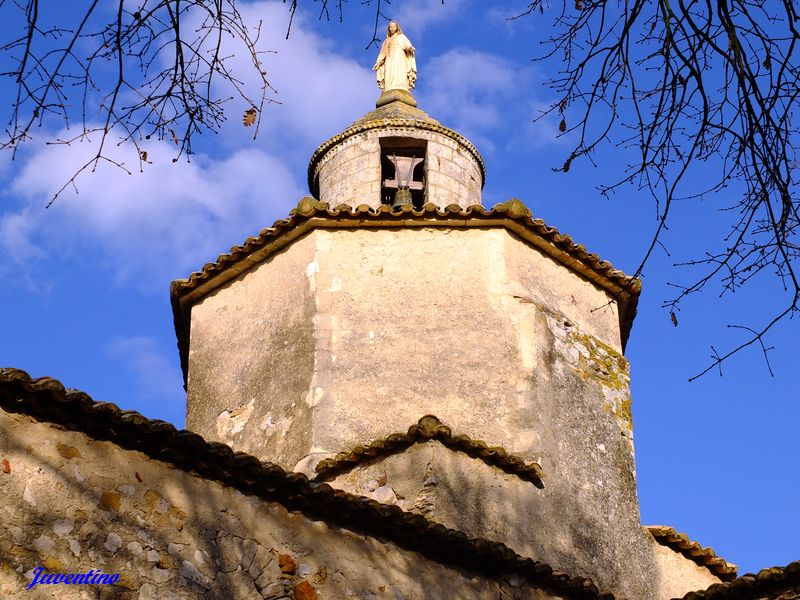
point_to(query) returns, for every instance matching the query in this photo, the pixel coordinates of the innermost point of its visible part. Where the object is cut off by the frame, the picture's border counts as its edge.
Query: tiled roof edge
(46, 399)
(427, 428)
(311, 213)
(703, 556)
(753, 586)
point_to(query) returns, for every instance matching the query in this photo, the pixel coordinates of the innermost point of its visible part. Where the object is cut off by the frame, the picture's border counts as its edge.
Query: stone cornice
(430, 428)
(311, 214)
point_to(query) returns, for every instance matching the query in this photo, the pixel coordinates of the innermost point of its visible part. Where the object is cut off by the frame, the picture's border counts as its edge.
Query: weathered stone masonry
(74, 502)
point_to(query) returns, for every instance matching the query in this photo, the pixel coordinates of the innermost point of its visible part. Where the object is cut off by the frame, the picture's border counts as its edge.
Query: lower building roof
(702, 555)
(47, 400)
(774, 583)
(428, 428)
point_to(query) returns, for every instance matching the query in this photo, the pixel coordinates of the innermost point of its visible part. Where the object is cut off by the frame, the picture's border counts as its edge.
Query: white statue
(396, 66)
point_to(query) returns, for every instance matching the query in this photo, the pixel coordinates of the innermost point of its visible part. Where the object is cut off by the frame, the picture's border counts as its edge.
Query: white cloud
(159, 381)
(151, 227)
(544, 131)
(416, 16)
(488, 98)
(512, 20)
(167, 221)
(320, 90)
(148, 227)
(16, 230)
(470, 91)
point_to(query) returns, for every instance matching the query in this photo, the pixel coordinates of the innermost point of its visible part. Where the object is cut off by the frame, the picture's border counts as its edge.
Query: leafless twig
(709, 83)
(167, 58)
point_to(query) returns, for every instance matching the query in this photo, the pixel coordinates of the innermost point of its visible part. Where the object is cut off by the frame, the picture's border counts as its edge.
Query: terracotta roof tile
(311, 214)
(774, 583)
(428, 428)
(46, 399)
(703, 556)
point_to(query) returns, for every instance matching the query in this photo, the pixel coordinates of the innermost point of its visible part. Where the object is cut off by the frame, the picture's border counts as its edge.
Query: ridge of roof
(703, 556)
(46, 399)
(753, 586)
(311, 214)
(428, 428)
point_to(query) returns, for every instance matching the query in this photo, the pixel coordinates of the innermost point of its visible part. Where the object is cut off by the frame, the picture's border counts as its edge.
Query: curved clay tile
(428, 428)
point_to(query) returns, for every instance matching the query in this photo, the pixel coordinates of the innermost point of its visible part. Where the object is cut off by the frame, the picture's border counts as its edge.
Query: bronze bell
(402, 197)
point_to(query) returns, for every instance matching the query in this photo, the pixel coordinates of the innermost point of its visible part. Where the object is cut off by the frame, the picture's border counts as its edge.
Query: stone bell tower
(396, 339)
(397, 147)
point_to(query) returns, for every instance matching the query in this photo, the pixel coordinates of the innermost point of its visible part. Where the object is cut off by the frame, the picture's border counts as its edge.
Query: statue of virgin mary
(396, 66)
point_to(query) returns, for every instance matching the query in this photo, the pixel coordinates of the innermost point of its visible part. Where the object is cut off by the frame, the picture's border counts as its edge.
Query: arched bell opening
(403, 171)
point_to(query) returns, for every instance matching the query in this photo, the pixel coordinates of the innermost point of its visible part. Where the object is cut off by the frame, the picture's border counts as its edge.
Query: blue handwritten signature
(91, 578)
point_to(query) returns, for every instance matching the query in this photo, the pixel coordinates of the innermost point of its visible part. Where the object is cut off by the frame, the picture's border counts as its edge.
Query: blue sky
(84, 285)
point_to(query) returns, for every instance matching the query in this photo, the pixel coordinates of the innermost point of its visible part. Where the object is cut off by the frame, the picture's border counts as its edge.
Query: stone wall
(472, 325)
(598, 539)
(539, 281)
(350, 335)
(71, 504)
(680, 574)
(251, 359)
(350, 172)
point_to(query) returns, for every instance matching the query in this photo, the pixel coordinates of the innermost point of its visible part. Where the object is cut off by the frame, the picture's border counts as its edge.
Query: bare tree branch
(708, 84)
(57, 69)
(686, 87)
